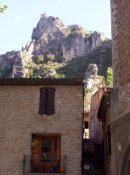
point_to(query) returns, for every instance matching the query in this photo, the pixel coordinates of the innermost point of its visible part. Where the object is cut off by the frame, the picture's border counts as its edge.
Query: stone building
(120, 127)
(95, 124)
(41, 126)
(97, 144)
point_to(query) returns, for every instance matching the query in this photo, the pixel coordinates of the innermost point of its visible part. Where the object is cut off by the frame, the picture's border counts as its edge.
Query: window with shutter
(46, 153)
(47, 101)
(109, 140)
(99, 156)
(50, 110)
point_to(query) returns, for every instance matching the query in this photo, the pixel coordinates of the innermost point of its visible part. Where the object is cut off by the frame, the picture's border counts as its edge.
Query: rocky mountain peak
(51, 42)
(48, 27)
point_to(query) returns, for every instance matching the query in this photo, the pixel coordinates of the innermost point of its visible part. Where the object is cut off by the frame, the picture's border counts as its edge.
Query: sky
(17, 23)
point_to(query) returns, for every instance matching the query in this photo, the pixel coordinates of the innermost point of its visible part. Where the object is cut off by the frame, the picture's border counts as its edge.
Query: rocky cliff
(51, 41)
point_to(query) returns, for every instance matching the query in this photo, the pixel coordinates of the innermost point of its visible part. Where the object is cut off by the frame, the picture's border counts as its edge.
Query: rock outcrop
(92, 84)
(92, 80)
(79, 44)
(48, 35)
(50, 40)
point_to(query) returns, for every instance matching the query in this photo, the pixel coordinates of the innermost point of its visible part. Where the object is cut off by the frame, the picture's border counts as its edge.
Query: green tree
(109, 76)
(2, 8)
(50, 57)
(40, 59)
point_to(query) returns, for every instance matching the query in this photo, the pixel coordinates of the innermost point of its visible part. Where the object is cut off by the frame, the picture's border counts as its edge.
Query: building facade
(95, 124)
(120, 126)
(41, 126)
(97, 144)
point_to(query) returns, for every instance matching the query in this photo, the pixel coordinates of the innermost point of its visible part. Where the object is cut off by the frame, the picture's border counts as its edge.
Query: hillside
(77, 67)
(57, 51)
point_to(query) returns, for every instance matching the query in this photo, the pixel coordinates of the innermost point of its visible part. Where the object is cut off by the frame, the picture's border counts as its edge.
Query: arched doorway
(126, 163)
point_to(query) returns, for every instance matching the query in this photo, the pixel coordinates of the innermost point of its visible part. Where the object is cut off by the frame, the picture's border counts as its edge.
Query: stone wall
(121, 40)
(95, 125)
(121, 54)
(108, 161)
(120, 129)
(19, 118)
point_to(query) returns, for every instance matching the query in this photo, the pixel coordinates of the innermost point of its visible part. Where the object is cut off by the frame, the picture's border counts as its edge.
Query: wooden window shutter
(106, 144)
(43, 101)
(50, 101)
(99, 156)
(109, 140)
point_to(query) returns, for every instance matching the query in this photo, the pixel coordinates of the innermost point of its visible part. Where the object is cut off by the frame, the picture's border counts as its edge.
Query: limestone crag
(51, 40)
(92, 79)
(48, 35)
(78, 44)
(7, 61)
(51, 37)
(48, 26)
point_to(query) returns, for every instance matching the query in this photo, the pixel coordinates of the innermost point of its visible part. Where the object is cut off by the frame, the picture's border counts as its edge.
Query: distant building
(96, 140)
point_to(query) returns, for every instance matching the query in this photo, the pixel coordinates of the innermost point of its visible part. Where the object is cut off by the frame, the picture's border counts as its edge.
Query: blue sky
(17, 23)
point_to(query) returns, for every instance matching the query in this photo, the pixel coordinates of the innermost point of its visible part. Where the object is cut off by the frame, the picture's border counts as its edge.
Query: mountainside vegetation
(58, 51)
(2, 8)
(75, 68)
